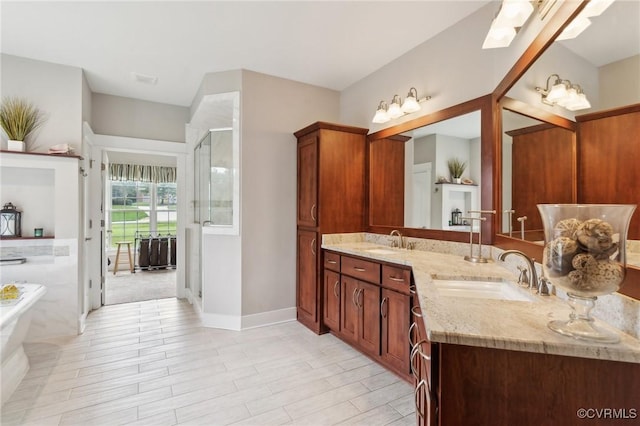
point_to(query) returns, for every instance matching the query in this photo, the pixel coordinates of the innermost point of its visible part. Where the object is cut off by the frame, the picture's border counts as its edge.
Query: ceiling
(331, 44)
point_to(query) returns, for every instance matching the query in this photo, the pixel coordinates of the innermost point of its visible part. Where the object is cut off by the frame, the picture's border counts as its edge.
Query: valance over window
(140, 173)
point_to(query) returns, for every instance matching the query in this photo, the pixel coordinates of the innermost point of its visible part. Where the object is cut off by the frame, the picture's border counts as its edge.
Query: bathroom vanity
(473, 355)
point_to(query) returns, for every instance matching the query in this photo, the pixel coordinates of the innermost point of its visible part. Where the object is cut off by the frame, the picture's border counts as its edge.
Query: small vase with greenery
(19, 118)
(456, 168)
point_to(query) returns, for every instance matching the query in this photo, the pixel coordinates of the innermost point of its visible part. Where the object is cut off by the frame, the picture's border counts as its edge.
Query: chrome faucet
(541, 283)
(399, 243)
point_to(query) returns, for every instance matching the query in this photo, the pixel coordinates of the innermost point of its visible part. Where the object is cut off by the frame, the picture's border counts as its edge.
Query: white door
(421, 185)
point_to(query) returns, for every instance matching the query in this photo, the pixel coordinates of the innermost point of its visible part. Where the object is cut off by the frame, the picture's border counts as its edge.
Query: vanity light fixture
(397, 108)
(513, 14)
(582, 21)
(563, 93)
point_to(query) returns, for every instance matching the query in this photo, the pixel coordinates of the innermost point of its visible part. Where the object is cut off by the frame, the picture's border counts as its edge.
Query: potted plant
(456, 168)
(18, 118)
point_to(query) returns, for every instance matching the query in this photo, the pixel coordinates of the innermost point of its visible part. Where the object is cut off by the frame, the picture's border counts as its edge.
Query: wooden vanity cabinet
(307, 277)
(332, 291)
(360, 308)
(370, 308)
(395, 307)
(330, 199)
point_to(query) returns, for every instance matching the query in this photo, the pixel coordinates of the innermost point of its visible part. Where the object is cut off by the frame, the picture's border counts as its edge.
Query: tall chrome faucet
(399, 243)
(471, 257)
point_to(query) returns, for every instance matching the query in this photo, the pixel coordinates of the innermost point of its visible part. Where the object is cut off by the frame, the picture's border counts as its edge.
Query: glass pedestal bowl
(584, 254)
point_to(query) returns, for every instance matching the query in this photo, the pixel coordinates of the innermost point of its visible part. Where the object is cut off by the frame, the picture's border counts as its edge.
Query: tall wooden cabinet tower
(331, 199)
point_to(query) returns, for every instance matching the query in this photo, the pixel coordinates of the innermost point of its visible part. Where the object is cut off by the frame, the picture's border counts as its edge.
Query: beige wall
(119, 116)
(272, 109)
(451, 67)
(612, 92)
(56, 90)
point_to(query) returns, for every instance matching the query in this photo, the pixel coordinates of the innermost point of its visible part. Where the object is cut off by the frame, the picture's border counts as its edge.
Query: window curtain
(140, 173)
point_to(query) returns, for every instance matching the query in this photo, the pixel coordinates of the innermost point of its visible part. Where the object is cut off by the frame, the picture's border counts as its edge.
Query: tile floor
(152, 363)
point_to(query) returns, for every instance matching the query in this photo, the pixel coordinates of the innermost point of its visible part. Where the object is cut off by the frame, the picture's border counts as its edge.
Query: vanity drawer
(332, 261)
(395, 278)
(361, 269)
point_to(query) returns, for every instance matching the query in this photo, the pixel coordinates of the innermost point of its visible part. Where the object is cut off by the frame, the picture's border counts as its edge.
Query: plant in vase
(585, 255)
(19, 118)
(456, 168)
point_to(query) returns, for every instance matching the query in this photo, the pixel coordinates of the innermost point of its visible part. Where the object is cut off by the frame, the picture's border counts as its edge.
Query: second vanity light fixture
(563, 93)
(513, 14)
(397, 108)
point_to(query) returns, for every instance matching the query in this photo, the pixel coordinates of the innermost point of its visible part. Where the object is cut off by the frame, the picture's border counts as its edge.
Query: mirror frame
(565, 14)
(488, 170)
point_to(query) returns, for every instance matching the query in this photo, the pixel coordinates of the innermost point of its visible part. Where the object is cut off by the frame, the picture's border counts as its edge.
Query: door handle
(334, 289)
(384, 299)
(313, 246)
(313, 212)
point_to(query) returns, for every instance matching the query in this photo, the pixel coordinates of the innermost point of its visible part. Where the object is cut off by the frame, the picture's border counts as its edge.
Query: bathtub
(15, 319)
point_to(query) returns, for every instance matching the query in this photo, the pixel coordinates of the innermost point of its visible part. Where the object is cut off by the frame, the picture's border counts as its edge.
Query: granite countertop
(500, 324)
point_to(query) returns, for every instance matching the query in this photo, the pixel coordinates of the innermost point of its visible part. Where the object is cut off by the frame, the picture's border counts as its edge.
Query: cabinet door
(331, 315)
(395, 311)
(308, 180)
(307, 283)
(349, 308)
(368, 300)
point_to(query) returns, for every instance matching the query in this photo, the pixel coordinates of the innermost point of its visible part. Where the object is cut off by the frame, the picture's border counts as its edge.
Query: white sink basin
(499, 290)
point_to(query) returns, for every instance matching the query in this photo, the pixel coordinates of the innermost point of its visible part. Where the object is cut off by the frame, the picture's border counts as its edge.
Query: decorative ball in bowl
(584, 255)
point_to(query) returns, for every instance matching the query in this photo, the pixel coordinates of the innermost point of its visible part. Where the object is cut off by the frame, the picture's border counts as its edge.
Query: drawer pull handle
(392, 278)
(416, 398)
(415, 312)
(333, 262)
(412, 289)
(414, 352)
(413, 325)
(334, 289)
(359, 269)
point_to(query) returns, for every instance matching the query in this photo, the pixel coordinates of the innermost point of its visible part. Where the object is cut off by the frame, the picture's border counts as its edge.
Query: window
(142, 207)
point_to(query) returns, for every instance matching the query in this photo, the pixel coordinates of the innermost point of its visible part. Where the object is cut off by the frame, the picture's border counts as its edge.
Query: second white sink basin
(499, 290)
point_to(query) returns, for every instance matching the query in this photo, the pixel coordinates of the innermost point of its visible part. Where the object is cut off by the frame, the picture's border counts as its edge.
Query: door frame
(101, 145)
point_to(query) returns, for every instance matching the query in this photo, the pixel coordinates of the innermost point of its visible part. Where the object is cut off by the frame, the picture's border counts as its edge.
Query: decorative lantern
(10, 221)
(456, 217)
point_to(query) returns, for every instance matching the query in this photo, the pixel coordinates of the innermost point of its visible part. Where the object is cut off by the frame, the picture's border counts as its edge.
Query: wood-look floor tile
(378, 416)
(329, 416)
(324, 400)
(153, 363)
(370, 400)
(270, 418)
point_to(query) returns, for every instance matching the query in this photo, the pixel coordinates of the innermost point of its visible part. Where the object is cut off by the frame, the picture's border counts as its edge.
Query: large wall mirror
(410, 185)
(553, 155)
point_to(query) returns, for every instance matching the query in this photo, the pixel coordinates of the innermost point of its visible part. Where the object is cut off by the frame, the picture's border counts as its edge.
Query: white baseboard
(268, 318)
(238, 323)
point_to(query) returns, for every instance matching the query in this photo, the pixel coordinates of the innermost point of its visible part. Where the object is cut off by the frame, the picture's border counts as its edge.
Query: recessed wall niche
(32, 192)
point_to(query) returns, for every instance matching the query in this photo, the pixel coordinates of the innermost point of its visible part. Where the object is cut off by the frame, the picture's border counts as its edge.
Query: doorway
(141, 236)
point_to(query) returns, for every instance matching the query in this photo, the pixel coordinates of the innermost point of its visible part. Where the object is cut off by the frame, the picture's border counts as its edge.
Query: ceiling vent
(143, 78)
